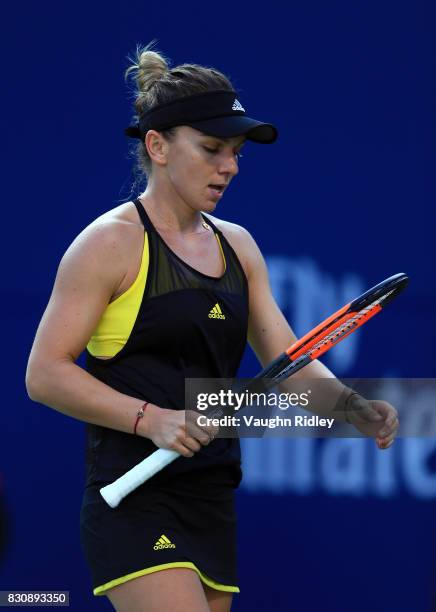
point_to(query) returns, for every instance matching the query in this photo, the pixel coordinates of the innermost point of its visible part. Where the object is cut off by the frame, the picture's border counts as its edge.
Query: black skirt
(188, 521)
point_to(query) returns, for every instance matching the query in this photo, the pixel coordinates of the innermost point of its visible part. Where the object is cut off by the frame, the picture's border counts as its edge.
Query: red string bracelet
(139, 415)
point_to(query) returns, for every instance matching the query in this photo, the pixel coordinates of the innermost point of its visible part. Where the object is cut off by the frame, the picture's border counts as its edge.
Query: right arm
(89, 274)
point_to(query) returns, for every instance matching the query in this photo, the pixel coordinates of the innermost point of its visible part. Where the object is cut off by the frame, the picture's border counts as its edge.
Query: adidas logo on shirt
(237, 106)
(163, 542)
(216, 312)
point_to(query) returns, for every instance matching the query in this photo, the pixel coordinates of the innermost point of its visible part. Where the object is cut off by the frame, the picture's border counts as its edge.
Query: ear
(157, 147)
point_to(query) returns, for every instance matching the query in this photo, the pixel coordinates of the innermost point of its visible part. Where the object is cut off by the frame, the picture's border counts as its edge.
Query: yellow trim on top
(116, 323)
(101, 590)
(222, 252)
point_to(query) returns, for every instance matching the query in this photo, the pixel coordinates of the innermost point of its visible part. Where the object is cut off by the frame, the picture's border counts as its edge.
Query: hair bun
(147, 67)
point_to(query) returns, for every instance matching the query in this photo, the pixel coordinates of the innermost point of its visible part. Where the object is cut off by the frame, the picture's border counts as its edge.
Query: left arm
(269, 334)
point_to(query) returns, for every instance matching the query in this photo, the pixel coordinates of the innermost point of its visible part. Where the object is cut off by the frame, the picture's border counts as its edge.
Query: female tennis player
(158, 290)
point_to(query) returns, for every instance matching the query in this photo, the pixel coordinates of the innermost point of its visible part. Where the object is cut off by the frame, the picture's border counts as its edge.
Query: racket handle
(131, 480)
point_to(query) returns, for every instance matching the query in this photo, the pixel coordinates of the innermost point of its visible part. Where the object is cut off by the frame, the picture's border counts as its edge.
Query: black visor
(216, 113)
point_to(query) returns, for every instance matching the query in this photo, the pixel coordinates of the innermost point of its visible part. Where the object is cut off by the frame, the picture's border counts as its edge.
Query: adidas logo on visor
(216, 312)
(237, 106)
(163, 542)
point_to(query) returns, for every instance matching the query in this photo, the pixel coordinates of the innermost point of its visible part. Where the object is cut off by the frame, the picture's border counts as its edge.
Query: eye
(237, 154)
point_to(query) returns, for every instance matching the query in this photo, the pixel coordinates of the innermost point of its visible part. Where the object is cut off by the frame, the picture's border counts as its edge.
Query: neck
(169, 212)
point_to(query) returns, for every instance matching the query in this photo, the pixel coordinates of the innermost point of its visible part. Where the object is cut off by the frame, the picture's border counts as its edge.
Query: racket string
(349, 325)
(331, 338)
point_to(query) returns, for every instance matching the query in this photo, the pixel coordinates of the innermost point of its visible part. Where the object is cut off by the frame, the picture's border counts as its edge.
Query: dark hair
(157, 83)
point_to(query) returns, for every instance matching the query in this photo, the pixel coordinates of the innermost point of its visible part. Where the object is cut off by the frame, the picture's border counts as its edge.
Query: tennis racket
(308, 348)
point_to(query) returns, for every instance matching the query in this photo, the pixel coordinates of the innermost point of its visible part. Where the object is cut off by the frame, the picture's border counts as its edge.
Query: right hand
(167, 429)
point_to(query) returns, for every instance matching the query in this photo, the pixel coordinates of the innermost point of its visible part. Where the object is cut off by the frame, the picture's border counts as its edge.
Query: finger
(387, 441)
(384, 444)
(365, 411)
(211, 431)
(191, 443)
(204, 435)
(371, 416)
(182, 450)
(205, 439)
(200, 431)
(390, 427)
(384, 408)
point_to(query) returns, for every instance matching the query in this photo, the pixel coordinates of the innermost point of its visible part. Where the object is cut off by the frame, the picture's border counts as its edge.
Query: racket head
(383, 292)
(393, 286)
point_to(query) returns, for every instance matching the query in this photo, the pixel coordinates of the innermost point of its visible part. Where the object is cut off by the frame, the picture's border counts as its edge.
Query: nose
(229, 165)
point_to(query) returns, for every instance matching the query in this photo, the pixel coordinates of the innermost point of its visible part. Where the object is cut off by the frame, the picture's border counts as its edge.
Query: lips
(216, 190)
(217, 187)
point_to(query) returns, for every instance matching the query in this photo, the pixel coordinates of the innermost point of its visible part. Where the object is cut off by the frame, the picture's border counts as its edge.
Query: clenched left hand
(374, 418)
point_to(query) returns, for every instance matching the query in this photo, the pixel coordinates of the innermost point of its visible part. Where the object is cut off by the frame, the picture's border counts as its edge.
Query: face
(200, 167)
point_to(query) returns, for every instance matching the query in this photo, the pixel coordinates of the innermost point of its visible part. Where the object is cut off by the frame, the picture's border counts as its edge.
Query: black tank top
(174, 338)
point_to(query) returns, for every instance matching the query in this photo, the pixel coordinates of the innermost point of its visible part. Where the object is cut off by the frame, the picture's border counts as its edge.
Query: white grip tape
(116, 491)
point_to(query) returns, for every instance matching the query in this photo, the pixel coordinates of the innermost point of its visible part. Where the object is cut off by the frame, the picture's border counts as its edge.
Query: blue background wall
(342, 200)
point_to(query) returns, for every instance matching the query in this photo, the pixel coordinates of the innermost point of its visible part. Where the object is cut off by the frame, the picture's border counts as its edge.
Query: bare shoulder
(116, 227)
(89, 275)
(111, 236)
(107, 252)
(242, 242)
